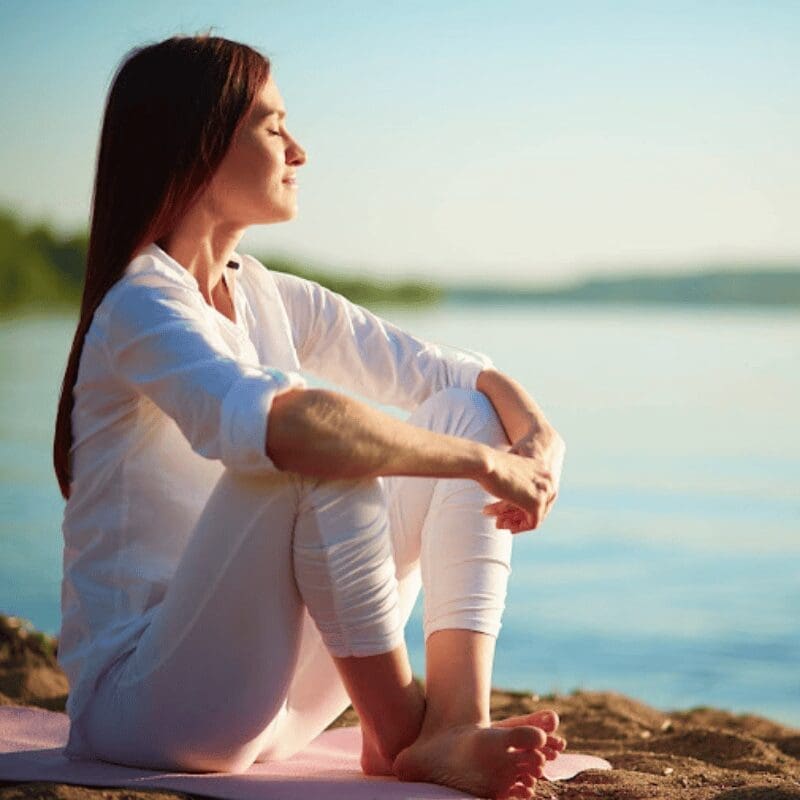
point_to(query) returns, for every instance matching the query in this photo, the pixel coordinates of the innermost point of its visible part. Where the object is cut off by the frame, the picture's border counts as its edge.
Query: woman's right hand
(525, 482)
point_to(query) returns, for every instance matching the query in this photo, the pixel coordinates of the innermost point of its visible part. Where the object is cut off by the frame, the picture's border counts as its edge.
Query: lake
(669, 568)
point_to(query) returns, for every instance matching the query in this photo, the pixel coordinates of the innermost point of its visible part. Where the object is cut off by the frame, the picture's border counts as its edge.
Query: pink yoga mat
(31, 741)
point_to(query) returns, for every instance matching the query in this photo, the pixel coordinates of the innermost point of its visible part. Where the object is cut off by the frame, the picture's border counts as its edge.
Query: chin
(291, 213)
(279, 215)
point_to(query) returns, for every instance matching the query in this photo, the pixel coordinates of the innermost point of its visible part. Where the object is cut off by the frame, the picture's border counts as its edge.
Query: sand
(693, 754)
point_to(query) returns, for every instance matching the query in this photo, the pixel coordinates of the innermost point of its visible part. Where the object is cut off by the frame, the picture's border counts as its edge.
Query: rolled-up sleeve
(345, 343)
(161, 344)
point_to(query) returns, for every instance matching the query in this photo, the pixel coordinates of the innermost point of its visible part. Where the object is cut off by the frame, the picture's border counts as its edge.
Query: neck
(204, 252)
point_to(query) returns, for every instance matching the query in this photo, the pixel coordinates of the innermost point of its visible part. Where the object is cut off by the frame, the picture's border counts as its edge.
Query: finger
(515, 526)
(520, 522)
(509, 513)
(505, 521)
(549, 504)
(495, 508)
(527, 520)
(516, 522)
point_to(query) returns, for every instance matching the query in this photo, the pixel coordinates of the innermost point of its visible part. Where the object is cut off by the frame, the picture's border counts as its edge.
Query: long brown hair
(170, 115)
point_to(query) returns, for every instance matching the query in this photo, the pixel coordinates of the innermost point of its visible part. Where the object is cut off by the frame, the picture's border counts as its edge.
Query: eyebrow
(273, 111)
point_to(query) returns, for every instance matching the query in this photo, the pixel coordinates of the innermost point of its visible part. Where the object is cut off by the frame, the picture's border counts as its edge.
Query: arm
(350, 346)
(330, 435)
(347, 344)
(517, 410)
(531, 436)
(159, 344)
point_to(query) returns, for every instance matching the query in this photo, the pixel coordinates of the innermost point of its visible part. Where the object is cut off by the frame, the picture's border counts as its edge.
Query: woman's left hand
(549, 448)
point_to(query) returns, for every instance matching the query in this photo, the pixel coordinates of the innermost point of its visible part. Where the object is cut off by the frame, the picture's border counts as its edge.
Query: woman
(242, 552)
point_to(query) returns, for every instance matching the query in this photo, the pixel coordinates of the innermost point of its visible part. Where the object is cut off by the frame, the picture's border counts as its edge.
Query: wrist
(482, 461)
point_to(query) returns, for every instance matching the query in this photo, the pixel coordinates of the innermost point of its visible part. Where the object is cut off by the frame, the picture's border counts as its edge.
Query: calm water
(669, 568)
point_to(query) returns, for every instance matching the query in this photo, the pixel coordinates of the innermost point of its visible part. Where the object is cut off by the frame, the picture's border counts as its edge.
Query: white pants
(281, 572)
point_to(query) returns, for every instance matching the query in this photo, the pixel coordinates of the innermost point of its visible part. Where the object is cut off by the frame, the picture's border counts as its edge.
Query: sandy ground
(694, 754)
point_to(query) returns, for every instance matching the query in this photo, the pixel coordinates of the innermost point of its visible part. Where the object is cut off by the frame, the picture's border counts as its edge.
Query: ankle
(406, 727)
(458, 666)
(439, 721)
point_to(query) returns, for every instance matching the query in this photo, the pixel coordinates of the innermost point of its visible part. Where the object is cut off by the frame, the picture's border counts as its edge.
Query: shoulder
(145, 290)
(257, 277)
(256, 272)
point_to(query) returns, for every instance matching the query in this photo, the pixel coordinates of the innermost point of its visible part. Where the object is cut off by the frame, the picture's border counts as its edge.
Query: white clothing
(283, 571)
(169, 394)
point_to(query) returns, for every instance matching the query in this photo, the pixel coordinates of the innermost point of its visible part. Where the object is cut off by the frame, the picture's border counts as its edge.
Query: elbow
(297, 420)
(285, 425)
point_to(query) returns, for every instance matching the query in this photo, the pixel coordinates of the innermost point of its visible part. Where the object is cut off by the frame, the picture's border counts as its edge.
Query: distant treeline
(714, 286)
(40, 269)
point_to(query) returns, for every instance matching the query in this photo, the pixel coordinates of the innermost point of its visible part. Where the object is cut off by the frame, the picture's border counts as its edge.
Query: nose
(295, 155)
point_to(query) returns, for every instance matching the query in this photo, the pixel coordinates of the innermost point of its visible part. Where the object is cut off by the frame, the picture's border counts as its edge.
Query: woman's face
(251, 185)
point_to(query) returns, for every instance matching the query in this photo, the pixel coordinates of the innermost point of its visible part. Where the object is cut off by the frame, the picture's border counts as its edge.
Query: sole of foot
(500, 761)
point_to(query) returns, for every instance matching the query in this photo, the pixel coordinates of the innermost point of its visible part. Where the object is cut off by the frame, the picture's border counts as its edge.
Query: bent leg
(358, 631)
(420, 509)
(468, 590)
(210, 677)
(465, 561)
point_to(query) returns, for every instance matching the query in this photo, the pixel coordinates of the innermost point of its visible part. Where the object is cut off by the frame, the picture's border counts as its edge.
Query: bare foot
(477, 759)
(373, 763)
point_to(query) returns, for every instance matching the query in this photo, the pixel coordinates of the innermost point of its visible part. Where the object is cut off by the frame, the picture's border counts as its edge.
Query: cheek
(262, 171)
(248, 174)
(245, 160)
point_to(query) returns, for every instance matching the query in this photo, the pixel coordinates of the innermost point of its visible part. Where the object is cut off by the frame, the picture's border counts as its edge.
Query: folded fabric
(32, 739)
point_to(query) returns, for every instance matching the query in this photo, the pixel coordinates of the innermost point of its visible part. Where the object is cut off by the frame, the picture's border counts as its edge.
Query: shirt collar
(166, 263)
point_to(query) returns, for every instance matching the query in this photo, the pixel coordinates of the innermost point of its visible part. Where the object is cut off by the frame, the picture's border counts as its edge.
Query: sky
(511, 142)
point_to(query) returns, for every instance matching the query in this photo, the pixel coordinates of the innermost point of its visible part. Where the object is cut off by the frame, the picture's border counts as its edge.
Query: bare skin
(445, 735)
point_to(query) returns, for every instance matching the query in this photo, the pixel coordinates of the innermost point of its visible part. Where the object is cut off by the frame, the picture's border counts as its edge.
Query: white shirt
(169, 393)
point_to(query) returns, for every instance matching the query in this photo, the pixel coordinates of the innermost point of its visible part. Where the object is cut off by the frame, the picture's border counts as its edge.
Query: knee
(332, 502)
(461, 412)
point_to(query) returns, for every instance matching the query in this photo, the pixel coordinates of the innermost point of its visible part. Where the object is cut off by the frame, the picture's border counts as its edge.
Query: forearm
(331, 435)
(516, 409)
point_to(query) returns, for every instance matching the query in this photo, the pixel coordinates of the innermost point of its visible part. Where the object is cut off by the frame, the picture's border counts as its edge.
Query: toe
(533, 762)
(546, 720)
(526, 736)
(556, 743)
(533, 756)
(518, 790)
